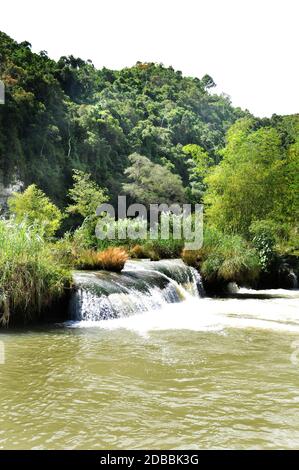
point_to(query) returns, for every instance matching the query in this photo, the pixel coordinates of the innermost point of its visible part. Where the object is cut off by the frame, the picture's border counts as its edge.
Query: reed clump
(224, 258)
(31, 279)
(111, 259)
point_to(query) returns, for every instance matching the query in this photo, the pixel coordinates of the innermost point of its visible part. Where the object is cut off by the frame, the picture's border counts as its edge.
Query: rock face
(283, 274)
(6, 192)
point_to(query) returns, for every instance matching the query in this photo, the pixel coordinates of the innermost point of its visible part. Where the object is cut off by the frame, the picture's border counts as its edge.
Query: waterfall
(141, 286)
(294, 279)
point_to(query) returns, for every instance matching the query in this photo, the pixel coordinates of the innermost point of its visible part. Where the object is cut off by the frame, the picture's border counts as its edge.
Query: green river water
(199, 374)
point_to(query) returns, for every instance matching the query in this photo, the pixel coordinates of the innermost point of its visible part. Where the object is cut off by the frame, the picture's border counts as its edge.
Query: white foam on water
(278, 312)
(148, 286)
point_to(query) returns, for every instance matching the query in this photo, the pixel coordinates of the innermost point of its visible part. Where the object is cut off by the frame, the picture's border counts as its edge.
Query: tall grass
(224, 258)
(31, 279)
(113, 259)
(110, 259)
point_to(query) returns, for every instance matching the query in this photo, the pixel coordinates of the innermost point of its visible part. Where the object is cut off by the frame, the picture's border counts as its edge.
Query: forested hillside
(151, 133)
(67, 114)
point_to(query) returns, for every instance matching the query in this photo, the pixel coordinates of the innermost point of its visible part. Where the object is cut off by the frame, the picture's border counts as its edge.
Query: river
(185, 373)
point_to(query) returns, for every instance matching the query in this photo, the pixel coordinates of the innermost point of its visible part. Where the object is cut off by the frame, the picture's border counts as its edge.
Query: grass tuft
(224, 258)
(111, 259)
(31, 279)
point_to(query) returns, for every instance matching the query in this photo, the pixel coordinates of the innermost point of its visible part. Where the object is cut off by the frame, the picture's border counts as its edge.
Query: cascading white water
(141, 286)
(294, 279)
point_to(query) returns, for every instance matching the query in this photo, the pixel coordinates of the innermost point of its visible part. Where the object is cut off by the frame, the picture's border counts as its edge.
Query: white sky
(249, 47)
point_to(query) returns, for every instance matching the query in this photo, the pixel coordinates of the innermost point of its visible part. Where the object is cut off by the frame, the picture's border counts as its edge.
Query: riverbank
(141, 286)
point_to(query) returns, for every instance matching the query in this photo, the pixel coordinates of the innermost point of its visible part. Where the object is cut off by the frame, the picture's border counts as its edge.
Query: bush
(163, 249)
(264, 239)
(67, 250)
(84, 236)
(231, 259)
(86, 195)
(31, 278)
(34, 207)
(140, 245)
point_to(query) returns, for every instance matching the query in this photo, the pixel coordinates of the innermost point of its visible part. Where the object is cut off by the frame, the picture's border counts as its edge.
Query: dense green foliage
(152, 183)
(199, 163)
(257, 180)
(34, 207)
(64, 115)
(85, 195)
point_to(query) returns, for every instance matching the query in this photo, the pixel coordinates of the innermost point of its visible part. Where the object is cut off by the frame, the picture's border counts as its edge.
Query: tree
(198, 162)
(86, 195)
(34, 207)
(152, 183)
(256, 180)
(208, 82)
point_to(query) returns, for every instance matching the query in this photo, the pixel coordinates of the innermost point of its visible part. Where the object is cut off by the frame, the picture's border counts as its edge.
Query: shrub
(163, 249)
(264, 240)
(34, 207)
(140, 245)
(84, 236)
(86, 195)
(65, 249)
